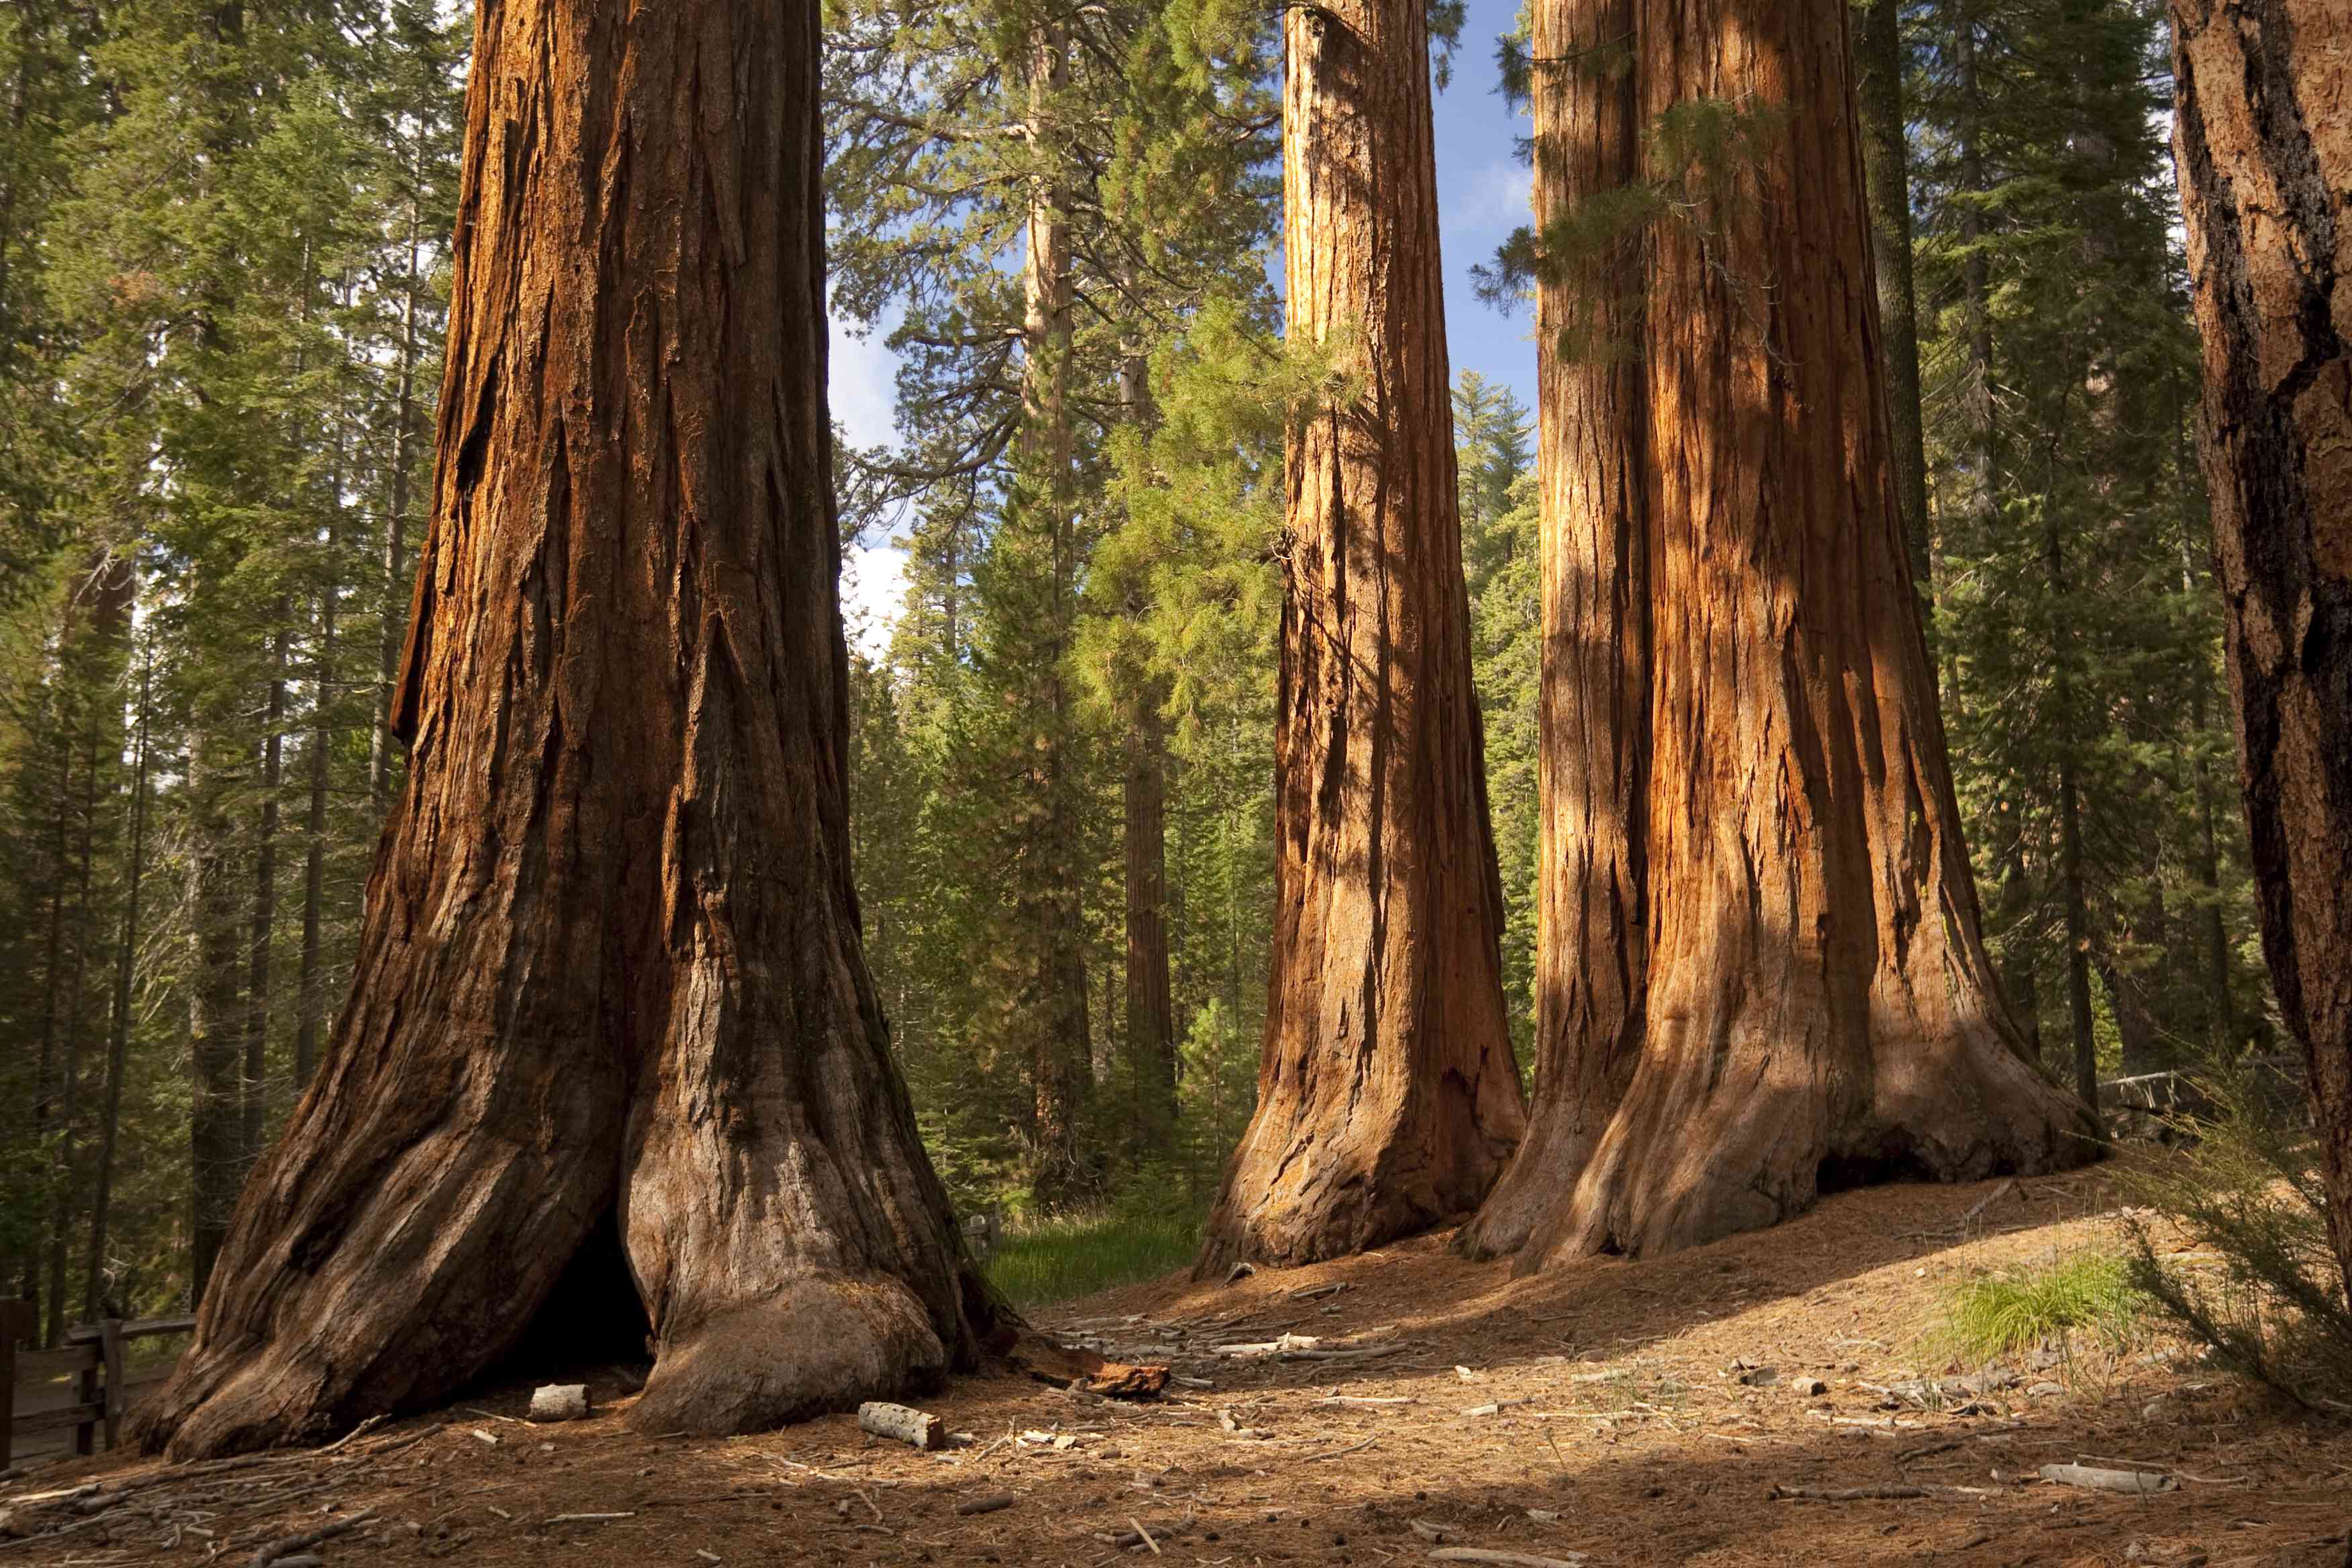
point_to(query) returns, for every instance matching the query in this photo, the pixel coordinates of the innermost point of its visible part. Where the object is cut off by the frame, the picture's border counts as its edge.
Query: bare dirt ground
(1596, 1412)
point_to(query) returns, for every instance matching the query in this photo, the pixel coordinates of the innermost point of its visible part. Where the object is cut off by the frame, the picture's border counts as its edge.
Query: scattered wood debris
(558, 1402)
(2097, 1480)
(903, 1423)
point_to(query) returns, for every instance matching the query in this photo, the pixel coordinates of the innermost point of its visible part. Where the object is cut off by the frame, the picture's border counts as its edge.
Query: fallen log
(994, 1502)
(2140, 1482)
(903, 1423)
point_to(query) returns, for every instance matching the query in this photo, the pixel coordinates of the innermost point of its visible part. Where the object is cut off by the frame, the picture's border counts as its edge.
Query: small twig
(291, 1544)
(1145, 1534)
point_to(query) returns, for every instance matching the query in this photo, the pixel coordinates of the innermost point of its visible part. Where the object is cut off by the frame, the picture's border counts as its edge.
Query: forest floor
(1595, 1413)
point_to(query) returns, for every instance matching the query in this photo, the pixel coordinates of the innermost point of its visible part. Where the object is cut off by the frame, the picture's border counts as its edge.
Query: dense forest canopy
(224, 276)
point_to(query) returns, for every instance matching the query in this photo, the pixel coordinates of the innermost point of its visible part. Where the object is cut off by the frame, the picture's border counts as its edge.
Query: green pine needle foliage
(2261, 1288)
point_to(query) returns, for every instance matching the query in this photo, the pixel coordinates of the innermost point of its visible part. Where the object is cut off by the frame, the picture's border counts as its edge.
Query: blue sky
(1482, 196)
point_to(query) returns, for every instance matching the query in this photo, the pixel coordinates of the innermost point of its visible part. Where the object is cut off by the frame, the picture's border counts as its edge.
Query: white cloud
(860, 384)
(1491, 202)
(873, 593)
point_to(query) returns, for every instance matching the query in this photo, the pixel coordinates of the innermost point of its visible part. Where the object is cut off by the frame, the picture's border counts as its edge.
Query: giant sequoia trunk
(609, 966)
(1813, 1003)
(1591, 921)
(1387, 1096)
(2264, 140)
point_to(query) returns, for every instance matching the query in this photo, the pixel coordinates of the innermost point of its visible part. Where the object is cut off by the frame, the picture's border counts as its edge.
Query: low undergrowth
(2257, 1284)
(1997, 1315)
(1040, 1261)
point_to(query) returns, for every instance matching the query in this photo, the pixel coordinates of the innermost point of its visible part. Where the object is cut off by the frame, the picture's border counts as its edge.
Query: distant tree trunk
(310, 996)
(2260, 136)
(2018, 984)
(1593, 719)
(395, 528)
(1061, 1051)
(2069, 823)
(1819, 1008)
(1886, 178)
(1388, 1099)
(1150, 995)
(98, 738)
(117, 1045)
(631, 637)
(215, 1167)
(255, 1104)
(1150, 1007)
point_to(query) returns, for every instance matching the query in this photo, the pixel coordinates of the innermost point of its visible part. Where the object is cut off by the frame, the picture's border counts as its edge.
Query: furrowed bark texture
(1593, 715)
(1886, 173)
(1817, 1008)
(1387, 1096)
(2263, 137)
(610, 964)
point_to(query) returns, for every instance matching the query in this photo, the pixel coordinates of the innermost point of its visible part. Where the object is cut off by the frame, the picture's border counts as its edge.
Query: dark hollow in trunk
(610, 963)
(2263, 138)
(1388, 1100)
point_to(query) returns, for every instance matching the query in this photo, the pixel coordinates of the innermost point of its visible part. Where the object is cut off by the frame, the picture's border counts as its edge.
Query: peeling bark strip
(2263, 141)
(1387, 1096)
(1755, 862)
(610, 963)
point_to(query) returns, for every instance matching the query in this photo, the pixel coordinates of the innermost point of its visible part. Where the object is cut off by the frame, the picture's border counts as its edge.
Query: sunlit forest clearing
(1041, 781)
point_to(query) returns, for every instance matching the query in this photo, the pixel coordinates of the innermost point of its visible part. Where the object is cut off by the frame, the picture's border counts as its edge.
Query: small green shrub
(2260, 1289)
(2000, 1314)
(1047, 1260)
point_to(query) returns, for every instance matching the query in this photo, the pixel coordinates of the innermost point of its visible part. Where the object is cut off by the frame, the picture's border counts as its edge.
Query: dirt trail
(1598, 1410)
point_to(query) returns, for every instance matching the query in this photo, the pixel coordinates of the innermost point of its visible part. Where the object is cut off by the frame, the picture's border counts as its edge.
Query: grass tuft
(1042, 1261)
(2000, 1314)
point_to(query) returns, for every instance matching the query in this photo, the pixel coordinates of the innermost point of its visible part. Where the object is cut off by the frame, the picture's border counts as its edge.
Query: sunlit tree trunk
(1818, 1009)
(1388, 1100)
(610, 967)
(1592, 915)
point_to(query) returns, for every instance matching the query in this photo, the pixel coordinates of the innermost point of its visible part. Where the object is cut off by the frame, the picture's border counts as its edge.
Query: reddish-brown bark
(1817, 1008)
(1387, 1096)
(609, 966)
(1591, 919)
(2263, 138)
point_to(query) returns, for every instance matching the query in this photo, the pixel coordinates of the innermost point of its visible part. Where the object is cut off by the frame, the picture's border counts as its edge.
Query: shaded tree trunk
(630, 637)
(1887, 180)
(1062, 1050)
(1592, 915)
(255, 1108)
(1818, 1009)
(310, 1003)
(2071, 890)
(215, 1165)
(1150, 1005)
(2263, 137)
(1388, 1099)
(117, 1044)
(395, 528)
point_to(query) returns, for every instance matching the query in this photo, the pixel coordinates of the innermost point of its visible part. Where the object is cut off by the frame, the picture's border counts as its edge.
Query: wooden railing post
(109, 1344)
(17, 1319)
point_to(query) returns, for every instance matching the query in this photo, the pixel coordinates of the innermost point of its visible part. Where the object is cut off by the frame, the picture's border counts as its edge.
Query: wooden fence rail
(92, 1356)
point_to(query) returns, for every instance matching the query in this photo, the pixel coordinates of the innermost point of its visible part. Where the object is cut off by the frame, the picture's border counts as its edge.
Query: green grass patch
(1042, 1261)
(2001, 1314)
